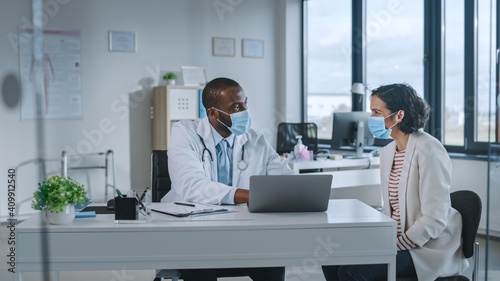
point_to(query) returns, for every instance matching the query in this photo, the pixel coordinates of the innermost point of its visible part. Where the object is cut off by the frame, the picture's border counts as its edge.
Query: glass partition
(492, 205)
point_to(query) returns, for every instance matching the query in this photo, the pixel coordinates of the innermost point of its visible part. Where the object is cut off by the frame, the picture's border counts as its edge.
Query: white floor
(292, 274)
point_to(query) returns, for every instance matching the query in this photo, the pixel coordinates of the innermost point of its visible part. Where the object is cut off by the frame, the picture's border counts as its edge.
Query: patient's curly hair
(404, 97)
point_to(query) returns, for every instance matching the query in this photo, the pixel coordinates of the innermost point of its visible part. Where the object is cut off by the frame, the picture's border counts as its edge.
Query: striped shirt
(404, 242)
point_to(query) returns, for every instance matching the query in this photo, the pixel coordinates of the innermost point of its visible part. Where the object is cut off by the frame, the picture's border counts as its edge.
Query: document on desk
(185, 209)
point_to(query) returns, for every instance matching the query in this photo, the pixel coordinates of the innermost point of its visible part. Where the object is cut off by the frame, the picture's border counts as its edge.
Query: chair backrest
(469, 205)
(160, 178)
(288, 131)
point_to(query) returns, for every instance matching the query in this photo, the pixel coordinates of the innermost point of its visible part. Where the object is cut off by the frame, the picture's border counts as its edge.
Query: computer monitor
(347, 136)
(350, 130)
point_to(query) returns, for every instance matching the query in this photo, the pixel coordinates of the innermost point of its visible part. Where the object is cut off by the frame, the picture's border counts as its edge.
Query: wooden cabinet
(172, 103)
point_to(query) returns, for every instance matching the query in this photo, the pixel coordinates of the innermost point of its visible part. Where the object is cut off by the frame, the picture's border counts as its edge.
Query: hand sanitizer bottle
(297, 149)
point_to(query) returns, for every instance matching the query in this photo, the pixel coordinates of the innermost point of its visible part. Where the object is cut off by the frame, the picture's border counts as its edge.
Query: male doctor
(211, 160)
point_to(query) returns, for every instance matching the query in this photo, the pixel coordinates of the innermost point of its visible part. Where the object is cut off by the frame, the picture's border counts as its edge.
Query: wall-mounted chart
(61, 71)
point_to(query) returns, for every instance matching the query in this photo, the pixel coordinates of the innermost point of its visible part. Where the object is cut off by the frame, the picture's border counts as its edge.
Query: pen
(119, 193)
(185, 204)
(140, 202)
(144, 193)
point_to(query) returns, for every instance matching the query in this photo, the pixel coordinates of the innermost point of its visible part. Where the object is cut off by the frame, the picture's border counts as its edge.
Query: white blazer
(194, 173)
(426, 213)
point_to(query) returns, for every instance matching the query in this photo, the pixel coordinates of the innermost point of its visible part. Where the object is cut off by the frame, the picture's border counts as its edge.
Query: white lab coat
(195, 179)
(424, 199)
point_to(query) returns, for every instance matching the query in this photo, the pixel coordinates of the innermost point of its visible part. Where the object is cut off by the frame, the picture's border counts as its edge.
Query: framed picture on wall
(253, 48)
(193, 75)
(223, 47)
(121, 41)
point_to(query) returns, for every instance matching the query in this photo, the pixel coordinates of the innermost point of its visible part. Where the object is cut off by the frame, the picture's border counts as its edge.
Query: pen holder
(126, 208)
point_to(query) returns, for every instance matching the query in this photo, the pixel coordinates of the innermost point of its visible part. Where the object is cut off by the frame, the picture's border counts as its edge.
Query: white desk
(346, 172)
(350, 232)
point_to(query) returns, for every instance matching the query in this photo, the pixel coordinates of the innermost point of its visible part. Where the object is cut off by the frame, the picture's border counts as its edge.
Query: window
(328, 61)
(454, 73)
(486, 98)
(395, 42)
(469, 98)
(445, 49)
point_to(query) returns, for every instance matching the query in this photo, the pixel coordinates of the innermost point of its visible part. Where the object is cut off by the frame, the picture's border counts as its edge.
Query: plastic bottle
(297, 149)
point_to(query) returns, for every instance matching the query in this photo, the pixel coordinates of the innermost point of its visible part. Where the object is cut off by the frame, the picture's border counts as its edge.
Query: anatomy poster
(62, 75)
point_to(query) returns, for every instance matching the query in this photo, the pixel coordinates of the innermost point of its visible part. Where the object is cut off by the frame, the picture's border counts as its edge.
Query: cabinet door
(183, 104)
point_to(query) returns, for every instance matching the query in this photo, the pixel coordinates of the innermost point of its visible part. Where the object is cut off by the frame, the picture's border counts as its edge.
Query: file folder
(170, 208)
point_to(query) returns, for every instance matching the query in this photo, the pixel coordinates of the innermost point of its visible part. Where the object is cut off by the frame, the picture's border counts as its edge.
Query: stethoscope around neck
(242, 164)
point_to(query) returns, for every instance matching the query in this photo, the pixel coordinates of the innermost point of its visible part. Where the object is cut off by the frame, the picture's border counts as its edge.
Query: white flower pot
(66, 216)
(171, 81)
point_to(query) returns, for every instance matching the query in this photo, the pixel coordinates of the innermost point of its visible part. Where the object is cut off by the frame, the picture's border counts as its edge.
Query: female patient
(415, 173)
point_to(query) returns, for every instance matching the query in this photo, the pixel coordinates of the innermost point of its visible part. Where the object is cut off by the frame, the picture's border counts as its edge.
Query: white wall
(116, 86)
(471, 175)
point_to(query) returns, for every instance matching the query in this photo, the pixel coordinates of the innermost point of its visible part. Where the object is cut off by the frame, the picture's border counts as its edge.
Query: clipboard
(170, 208)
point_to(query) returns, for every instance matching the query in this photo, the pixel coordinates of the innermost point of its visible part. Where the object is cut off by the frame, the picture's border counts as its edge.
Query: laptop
(289, 193)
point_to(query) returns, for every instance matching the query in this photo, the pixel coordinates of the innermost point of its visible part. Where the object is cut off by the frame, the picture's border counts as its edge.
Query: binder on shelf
(203, 111)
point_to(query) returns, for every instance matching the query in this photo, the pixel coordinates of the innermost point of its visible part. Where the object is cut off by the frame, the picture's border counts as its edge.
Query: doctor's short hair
(404, 97)
(211, 93)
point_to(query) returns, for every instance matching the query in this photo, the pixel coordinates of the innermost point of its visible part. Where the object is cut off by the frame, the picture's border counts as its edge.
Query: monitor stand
(360, 136)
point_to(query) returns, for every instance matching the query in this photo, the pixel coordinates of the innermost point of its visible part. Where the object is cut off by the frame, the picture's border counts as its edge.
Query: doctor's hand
(241, 196)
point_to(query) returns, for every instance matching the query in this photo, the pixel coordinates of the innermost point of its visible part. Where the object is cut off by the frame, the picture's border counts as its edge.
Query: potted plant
(170, 77)
(57, 197)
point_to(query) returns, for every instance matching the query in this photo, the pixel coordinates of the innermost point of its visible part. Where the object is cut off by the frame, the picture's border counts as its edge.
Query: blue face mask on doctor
(240, 121)
(377, 126)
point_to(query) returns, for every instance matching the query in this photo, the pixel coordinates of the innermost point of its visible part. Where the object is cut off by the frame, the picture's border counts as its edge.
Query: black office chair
(160, 179)
(469, 205)
(160, 185)
(288, 131)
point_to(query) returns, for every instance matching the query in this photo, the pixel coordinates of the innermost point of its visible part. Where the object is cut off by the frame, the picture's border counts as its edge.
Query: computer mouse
(111, 204)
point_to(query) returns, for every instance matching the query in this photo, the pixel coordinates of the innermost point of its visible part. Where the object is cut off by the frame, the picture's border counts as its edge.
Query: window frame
(471, 146)
(497, 74)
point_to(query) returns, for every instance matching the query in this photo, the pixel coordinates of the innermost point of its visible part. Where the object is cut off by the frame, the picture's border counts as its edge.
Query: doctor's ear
(212, 113)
